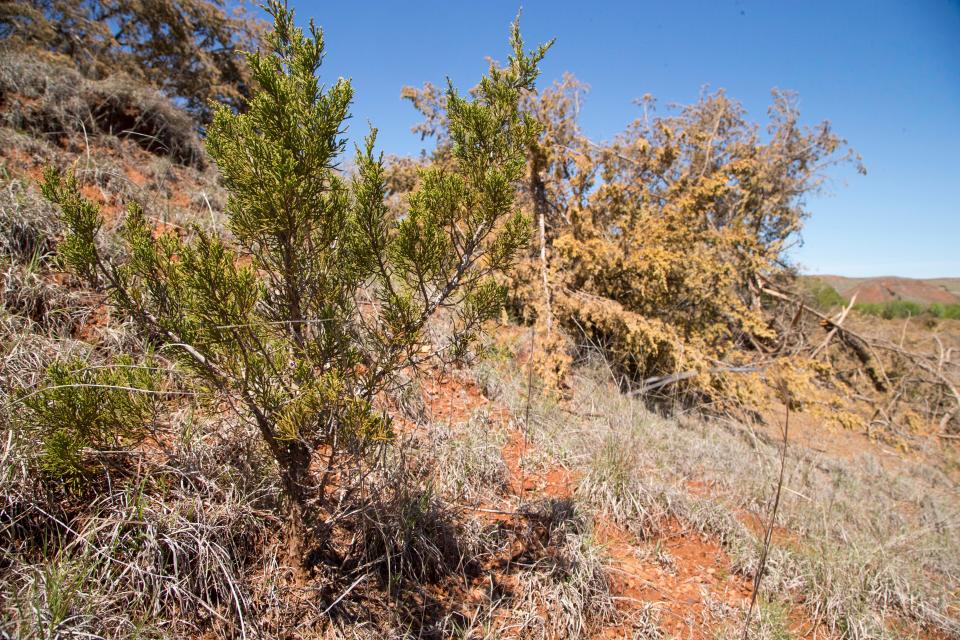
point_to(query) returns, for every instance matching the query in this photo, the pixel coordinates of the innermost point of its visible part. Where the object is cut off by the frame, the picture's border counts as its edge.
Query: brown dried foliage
(664, 247)
(185, 48)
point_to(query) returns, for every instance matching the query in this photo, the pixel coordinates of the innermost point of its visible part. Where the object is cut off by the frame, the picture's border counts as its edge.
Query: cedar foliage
(84, 408)
(185, 48)
(653, 246)
(307, 316)
(662, 261)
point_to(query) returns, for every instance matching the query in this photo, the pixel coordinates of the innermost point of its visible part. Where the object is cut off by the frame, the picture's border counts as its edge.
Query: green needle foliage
(307, 316)
(89, 408)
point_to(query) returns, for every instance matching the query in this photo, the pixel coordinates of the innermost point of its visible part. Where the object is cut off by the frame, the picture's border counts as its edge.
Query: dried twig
(836, 328)
(860, 344)
(768, 534)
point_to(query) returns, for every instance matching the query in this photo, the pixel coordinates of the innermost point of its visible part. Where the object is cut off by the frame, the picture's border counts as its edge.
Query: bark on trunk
(294, 461)
(539, 193)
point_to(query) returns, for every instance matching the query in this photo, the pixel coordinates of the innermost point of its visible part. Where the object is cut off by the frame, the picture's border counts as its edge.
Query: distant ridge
(890, 288)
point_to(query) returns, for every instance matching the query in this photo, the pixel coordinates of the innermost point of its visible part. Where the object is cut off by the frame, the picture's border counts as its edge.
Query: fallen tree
(667, 249)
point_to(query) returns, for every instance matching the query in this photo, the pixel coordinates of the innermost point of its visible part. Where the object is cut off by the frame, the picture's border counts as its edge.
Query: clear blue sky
(886, 74)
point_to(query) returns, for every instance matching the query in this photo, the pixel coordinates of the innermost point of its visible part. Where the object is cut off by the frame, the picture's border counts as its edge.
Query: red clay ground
(685, 577)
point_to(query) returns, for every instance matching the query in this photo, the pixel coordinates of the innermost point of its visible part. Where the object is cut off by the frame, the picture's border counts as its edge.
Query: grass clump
(472, 465)
(120, 571)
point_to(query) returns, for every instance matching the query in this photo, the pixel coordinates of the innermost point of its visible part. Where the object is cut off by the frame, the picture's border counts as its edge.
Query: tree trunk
(539, 193)
(293, 459)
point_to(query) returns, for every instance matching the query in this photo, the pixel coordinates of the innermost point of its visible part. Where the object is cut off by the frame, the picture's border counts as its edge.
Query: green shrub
(898, 309)
(306, 318)
(947, 311)
(84, 408)
(822, 295)
(902, 309)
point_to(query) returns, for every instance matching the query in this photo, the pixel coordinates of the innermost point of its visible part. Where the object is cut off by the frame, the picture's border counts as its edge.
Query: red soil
(689, 585)
(685, 576)
(888, 289)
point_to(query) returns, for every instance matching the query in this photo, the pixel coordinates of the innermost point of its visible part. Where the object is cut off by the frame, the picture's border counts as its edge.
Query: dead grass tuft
(176, 540)
(47, 98)
(861, 541)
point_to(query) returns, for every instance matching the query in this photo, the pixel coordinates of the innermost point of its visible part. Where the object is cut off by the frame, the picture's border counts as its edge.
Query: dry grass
(473, 470)
(28, 232)
(120, 565)
(566, 593)
(450, 570)
(47, 97)
(188, 546)
(157, 550)
(867, 543)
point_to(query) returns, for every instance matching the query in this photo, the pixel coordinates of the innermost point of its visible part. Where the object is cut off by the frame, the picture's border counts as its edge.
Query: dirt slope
(890, 288)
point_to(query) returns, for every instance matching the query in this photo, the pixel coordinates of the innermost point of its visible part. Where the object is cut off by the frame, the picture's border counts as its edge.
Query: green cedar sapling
(320, 298)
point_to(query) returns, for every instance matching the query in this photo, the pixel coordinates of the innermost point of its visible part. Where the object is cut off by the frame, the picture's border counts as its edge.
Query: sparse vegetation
(859, 544)
(246, 392)
(899, 309)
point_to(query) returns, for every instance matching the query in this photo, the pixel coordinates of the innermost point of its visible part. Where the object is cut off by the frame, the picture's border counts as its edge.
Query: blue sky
(886, 74)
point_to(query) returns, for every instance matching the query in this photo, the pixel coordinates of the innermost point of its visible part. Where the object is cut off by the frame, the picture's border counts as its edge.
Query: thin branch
(103, 386)
(768, 535)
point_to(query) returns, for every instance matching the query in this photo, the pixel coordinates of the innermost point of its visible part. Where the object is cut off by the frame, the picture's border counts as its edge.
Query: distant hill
(950, 284)
(890, 288)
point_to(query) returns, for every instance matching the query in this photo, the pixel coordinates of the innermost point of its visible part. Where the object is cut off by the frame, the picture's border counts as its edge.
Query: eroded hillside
(502, 503)
(888, 289)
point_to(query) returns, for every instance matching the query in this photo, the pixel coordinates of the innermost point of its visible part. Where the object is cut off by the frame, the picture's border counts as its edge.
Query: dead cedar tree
(650, 246)
(184, 48)
(307, 318)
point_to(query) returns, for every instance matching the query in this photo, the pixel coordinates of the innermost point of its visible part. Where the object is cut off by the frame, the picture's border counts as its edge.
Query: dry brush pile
(667, 248)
